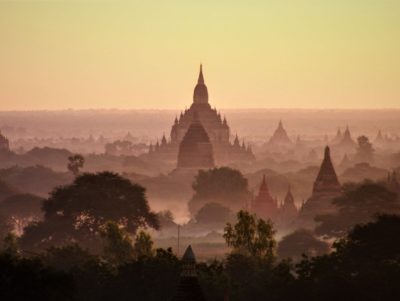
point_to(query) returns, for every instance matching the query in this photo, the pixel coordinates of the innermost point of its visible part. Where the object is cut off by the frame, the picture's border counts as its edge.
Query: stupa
(288, 211)
(189, 287)
(280, 138)
(263, 204)
(4, 143)
(347, 143)
(326, 188)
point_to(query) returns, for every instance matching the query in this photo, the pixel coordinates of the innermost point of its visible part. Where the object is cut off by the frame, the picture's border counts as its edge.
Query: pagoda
(393, 183)
(4, 143)
(347, 143)
(326, 188)
(195, 149)
(288, 211)
(214, 124)
(338, 137)
(280, 138)
(263, 204)
(189, 287)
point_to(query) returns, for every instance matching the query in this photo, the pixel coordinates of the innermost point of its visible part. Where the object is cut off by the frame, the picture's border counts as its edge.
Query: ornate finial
(201, 78)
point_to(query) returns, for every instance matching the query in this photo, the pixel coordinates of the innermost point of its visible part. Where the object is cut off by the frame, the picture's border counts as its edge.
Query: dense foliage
(222, 185)
(364, 265)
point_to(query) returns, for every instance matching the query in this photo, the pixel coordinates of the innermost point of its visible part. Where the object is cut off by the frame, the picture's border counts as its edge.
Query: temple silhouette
(180, 146)
(267, 207)
(326, 188)
(188, 287)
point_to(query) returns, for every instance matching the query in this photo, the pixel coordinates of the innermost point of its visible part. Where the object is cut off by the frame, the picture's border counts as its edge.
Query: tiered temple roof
(195, 150)
(189, 288)
(215, 126)
(280, 137)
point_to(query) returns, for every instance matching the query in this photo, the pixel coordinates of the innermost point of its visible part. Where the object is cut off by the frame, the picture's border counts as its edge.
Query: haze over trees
(222, 185)
(77, 212)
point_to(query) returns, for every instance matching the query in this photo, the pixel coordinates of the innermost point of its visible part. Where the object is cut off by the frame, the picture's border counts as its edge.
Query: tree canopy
(359, 203)
(251, 236)
(77, 212)
(222, 185)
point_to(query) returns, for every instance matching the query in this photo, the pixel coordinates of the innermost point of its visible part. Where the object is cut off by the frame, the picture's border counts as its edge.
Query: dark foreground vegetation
(365, 265)
(88, 242)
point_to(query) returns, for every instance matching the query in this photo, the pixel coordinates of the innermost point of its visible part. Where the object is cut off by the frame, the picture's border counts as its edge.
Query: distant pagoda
(4, 143)
(195, 149)
(393, 183)
(347, 143)
(280, 138)
(326, 188)
(189, 288)
(288, 211)
(338, 138)
(263, 204)
(216, 127)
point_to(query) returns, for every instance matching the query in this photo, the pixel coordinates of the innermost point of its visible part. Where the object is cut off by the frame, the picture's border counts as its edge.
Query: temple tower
(195, 150)
(326, 188)
(263, 204)
(280, 138)
(189, 287)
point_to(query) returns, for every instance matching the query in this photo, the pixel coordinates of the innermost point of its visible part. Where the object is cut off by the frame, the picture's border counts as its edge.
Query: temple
(393, 183)
(189, 287)
(195, 149)
(4, 143)
(280, 138)
(347, 143)
(326, 188)
(216, 127)
(288, 211)
(263, 204)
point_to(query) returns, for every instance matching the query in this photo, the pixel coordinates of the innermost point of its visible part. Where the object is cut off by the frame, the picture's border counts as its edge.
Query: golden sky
(145, 54)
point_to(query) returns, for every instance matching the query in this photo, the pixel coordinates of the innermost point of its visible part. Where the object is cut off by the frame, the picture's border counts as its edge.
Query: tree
(5, 227)
(222, 185)
(358, 204)
(22, 209)
(118, 246)
(251, 236)
(365, 265)
(213, 213)
(143, 246)
(78, 212)
(301, 242)
(75, 163)
(365, 151)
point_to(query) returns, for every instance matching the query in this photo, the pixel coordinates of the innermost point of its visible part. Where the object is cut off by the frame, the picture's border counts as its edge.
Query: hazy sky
(145, 54)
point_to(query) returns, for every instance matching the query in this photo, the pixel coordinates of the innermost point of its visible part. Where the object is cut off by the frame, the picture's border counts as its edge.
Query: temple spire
(201, 77)
(200, 94)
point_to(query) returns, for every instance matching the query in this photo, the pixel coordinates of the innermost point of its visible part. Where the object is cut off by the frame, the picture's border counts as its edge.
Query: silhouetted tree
(75, 163)
(365, 151)
(22, 209)
(213, 213)
(251, 236)
(77, 212)
(117, 244)
(29, 279)
(5, 227)
(301, 242)
(364, 266)
(358, 204)
(222, 185)
(143, 246)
